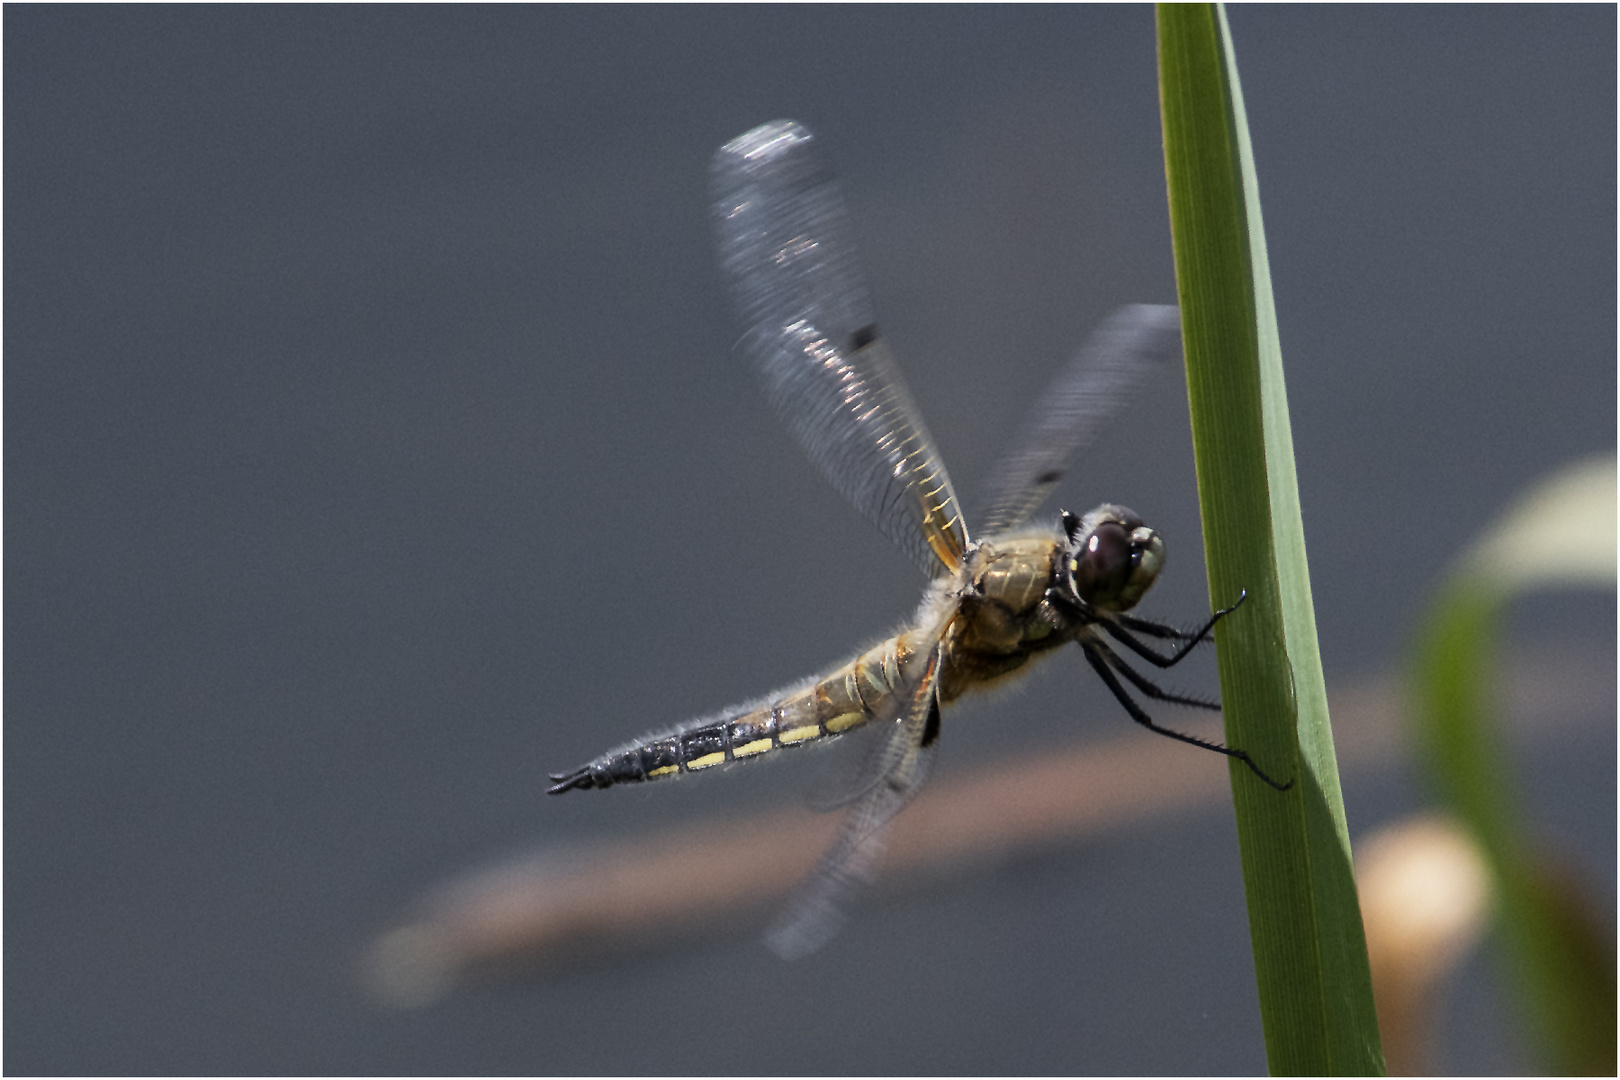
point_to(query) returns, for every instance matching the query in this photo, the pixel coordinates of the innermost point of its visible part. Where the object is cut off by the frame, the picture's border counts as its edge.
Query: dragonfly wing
(817, 911)
(789, 259)
(1130, 345)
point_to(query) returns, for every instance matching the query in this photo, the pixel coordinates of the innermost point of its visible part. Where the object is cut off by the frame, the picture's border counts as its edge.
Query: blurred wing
(789, 259)
(1131, 344)
(817, 911)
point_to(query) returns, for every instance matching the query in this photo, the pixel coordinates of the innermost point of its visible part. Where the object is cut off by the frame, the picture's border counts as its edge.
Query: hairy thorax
(1004, 619)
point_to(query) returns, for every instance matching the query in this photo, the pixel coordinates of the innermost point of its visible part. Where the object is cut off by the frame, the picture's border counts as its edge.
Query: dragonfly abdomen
(860, 691)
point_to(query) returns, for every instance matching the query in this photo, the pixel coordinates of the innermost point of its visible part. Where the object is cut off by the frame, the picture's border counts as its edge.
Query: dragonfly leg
(1104, 661)
(1119, 626)
(1145, 685)
(931, 727)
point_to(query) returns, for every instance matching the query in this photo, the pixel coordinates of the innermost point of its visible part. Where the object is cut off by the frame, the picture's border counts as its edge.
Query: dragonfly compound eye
(1117, 563)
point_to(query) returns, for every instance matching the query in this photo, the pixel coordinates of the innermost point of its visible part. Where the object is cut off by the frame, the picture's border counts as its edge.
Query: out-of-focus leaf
(1560, 957)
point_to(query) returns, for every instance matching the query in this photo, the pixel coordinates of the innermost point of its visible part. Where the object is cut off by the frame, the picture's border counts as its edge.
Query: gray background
(373, 446)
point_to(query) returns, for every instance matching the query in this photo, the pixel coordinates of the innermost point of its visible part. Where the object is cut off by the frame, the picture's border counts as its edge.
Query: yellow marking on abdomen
(845, 722)
(663, 771)
(705, 761)
(758, 746)
(798, 734)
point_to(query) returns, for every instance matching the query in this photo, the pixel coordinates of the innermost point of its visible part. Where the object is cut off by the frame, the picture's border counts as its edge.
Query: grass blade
(1304, 919)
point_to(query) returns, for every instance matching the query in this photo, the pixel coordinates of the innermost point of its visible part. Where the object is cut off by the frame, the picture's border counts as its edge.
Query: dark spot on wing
(863, 337)
(1051, 476)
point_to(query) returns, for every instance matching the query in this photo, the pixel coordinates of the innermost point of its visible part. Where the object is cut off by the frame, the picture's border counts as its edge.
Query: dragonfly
(993, 603)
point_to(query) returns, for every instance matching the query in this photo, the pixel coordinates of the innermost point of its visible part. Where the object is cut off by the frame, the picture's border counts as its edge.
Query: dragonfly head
(1112, 558)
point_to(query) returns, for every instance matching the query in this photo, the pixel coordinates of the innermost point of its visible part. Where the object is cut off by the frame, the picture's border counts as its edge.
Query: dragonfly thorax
(1113, 559)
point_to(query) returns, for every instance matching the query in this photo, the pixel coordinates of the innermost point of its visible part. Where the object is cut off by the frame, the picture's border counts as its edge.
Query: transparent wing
(867, 759)
(817, 911)
(1131, 344)
(789, 259)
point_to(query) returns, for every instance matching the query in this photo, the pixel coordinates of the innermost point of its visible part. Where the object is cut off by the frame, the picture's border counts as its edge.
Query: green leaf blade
(1305, 924)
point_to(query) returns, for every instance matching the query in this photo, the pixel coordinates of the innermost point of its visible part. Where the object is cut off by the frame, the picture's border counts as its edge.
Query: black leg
(931, 728)
(1095, 653)
(1148, 652)
(1158, 629)
(1166, 631)
(1142, 683)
